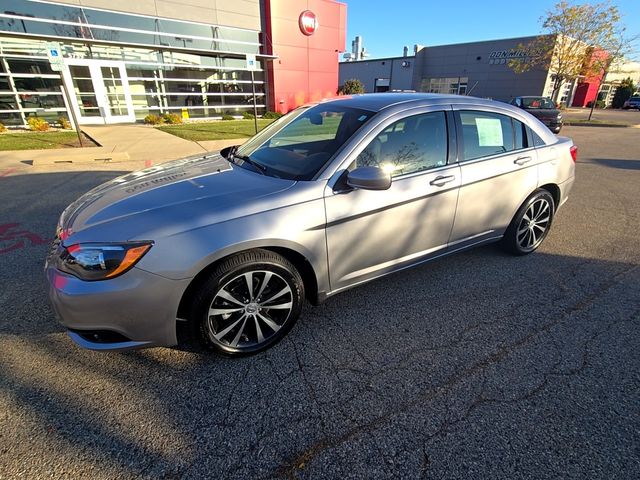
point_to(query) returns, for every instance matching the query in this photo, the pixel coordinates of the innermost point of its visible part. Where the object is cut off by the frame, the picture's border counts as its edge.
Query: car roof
(379, 101)
(397, 102)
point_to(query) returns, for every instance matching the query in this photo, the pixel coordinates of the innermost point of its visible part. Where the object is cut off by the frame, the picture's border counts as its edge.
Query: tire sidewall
(511, 234)
(219, 279)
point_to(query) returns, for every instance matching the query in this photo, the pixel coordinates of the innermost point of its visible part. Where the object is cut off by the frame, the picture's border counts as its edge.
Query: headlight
(99, 261)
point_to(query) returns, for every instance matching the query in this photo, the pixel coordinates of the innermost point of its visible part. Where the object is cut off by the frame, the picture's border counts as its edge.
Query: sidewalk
(600, 117)
(131, 147)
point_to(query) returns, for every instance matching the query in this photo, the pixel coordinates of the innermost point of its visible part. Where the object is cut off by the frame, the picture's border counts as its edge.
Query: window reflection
(409, 145)
(159, 78)
(86, 23)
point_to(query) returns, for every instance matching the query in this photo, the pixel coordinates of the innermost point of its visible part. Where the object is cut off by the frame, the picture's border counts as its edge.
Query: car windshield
(537, 102)
(299, 144)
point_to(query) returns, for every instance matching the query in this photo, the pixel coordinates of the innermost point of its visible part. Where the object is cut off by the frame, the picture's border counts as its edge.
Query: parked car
(328, 197)
(543, 109)
(632, 102)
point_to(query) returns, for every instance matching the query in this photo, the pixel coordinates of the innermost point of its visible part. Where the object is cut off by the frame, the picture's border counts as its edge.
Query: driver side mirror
(369, 178)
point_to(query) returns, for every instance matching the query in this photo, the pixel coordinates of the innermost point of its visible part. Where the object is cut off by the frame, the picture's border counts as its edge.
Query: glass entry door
(100, 90)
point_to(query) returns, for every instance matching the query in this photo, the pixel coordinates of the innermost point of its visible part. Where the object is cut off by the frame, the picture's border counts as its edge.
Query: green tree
(352, 86)
(624, 91)
(571, 33)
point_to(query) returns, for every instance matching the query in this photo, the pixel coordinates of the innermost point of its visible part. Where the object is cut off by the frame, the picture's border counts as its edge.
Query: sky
(387, 26)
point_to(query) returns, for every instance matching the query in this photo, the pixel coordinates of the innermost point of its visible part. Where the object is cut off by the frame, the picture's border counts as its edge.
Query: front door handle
(441, 180)
(522, 160)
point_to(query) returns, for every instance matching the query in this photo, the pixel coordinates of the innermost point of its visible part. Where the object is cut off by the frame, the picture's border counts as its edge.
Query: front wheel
(530, 225)
(249, 302)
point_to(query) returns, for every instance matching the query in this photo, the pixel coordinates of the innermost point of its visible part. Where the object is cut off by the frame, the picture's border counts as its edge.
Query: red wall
(587, 90)
(307, 66)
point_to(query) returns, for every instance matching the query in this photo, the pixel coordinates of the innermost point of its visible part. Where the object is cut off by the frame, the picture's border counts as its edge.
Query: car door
(370, 233)
(498, 172)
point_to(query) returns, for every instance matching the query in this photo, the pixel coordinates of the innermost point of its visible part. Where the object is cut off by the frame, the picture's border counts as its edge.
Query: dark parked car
(633, 102)
(543, 109)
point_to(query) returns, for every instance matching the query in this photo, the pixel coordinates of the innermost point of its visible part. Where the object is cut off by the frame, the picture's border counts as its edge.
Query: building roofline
(378, 59)
(450, 45)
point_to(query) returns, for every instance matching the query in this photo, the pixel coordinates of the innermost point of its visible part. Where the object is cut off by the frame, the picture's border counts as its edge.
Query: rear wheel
(249, 302)
(530, 225)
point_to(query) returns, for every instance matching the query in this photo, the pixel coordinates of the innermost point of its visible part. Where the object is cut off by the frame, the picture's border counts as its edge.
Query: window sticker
(489, 132)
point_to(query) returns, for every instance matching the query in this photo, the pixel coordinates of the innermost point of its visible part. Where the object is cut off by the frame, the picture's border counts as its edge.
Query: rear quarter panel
(556, 166)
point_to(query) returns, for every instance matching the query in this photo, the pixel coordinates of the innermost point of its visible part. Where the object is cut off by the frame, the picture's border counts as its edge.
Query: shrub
(172, 118)
(153, 119)
(352, 86)
(272, 115)
(623, 93)
(64, 123)
(2, 127)
(38, 124)
(228, 116)
(248, 116)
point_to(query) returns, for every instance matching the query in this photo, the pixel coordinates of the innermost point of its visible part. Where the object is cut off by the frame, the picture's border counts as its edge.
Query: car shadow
(616, 163)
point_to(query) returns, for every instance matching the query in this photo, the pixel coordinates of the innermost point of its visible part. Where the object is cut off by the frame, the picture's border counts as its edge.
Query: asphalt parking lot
(480, 365)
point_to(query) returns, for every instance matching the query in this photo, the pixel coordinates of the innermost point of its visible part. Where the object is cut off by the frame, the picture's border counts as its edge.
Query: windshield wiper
(245, 158)
(231, 156)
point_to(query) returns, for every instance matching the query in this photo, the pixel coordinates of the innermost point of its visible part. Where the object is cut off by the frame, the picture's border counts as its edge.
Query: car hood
(177, 192)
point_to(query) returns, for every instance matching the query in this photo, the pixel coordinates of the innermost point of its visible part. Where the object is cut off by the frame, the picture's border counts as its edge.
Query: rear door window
(485, 134)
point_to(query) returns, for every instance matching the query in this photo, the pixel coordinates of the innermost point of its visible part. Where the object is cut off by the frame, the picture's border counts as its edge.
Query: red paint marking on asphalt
(8, 172)
(12, 239)
(148, 163)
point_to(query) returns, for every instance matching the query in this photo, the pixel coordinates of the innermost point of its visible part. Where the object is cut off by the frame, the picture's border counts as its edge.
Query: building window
(382, 85)
(151, 65)
(446, 85)
(35, 18)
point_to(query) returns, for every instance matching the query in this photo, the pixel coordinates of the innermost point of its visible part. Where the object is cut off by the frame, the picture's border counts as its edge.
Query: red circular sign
(308, 22)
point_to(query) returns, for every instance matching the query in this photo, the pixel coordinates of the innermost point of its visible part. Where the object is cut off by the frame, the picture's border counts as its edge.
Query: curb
(605, 125)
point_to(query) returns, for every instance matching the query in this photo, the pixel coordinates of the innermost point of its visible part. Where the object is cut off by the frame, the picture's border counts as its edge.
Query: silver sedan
(330, 196)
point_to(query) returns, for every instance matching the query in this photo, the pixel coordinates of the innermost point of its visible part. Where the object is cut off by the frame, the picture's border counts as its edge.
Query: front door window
(409, 145)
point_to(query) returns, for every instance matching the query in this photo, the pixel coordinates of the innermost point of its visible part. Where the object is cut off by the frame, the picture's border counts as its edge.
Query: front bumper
(137, 309)
(554, 126)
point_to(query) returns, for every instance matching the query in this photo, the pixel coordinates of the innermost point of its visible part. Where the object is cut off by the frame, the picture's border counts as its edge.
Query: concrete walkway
(130, 146)
(143, 143)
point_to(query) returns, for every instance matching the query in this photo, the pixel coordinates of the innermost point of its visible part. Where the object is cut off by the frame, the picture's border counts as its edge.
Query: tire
(233, 322)
(530, 225)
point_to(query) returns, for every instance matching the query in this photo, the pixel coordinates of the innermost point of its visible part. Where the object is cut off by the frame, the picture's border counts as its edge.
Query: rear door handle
(522, 160)
(441, 180)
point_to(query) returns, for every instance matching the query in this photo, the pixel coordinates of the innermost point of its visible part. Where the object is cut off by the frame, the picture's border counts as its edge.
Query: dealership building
(116, 61)
(480, 69)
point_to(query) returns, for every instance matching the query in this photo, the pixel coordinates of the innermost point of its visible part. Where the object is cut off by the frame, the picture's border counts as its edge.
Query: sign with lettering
(502, 57)
(54, 54)
(251, 62)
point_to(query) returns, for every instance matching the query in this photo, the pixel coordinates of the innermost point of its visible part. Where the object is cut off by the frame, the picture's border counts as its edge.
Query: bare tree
(571, 32)
(617, 48)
